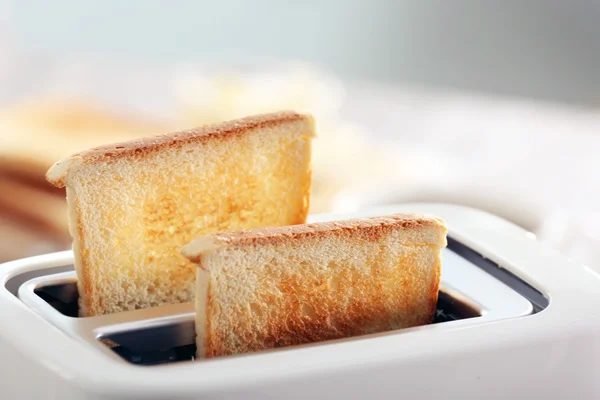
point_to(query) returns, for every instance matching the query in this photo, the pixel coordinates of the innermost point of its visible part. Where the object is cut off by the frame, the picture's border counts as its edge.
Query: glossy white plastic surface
(552, 354)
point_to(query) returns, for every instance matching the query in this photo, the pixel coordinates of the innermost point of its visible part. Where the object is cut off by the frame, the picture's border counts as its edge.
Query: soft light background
(489, 104)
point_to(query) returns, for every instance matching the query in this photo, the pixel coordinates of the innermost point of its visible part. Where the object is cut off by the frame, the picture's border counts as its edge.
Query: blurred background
(494, 105)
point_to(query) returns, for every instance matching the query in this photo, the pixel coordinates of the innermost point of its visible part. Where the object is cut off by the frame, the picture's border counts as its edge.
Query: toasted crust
(274, 287)
(133, 205)
(371, 229)
(139, 147)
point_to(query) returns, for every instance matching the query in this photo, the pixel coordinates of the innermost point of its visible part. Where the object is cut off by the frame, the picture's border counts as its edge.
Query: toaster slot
(473, 288)
(61, 294)
(537, 299)
(62, 297)
(174, 342)
(155, 345)
(15, 282)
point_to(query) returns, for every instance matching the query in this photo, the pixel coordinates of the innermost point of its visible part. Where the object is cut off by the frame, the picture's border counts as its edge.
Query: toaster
(514, 320)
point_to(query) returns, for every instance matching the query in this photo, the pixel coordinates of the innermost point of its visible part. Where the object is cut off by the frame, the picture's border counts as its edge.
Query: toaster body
(514, 320)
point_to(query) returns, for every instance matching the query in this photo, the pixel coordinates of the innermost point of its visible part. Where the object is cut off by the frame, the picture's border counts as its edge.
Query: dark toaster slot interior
(63, 297)
(157, 357)
(175, 342)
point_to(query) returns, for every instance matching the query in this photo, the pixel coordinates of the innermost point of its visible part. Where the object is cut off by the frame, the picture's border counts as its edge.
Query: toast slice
(132, 205)
(273, 287)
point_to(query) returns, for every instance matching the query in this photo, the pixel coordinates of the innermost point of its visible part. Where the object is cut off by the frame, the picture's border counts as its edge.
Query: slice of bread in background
(46, 209)
(134, 204)
(274, 287)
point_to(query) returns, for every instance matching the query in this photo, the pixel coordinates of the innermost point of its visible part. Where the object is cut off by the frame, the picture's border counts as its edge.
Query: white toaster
(514, 321)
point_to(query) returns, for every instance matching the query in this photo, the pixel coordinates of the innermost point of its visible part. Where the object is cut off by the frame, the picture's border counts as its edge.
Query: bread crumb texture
(136, 204)
(271, 288)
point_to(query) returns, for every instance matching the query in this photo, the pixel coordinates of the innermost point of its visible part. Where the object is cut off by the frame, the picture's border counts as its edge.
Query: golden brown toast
(274, 287)
(134, 204)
